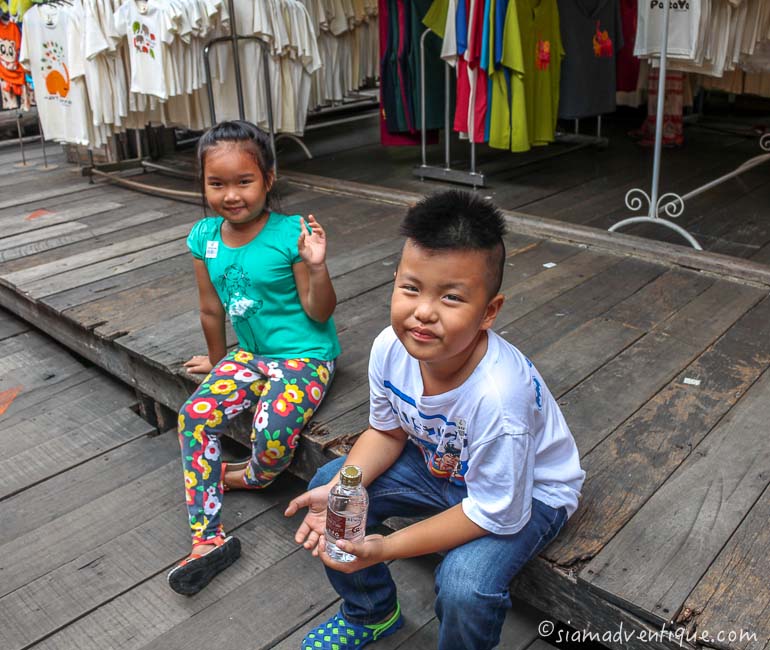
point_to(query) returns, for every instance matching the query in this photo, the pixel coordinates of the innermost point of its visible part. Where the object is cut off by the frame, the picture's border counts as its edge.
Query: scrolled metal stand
(670, 203)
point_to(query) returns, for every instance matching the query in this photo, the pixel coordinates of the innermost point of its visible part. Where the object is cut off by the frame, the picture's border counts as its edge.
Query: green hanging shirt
(255, 283)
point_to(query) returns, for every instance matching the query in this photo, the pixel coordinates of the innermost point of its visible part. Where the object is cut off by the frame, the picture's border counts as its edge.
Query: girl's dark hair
(247, 135)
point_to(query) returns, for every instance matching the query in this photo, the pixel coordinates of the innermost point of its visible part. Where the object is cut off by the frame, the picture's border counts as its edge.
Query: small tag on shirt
(212, 248)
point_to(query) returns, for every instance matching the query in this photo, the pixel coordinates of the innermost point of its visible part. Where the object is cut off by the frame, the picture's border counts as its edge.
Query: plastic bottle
(346, 512)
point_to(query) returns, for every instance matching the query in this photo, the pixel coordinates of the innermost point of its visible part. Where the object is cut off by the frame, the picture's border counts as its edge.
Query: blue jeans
(471, 582)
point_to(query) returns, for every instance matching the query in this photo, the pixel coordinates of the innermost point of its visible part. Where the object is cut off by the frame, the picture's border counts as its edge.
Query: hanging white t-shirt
(51, 49)
(149, 29)
(683, 29)
(500, 433)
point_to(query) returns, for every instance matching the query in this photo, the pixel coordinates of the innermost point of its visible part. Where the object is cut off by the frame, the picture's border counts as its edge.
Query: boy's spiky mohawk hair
(455, 220)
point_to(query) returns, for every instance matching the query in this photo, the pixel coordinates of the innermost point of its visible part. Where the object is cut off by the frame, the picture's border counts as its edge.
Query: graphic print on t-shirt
(235, 282)
(602, 42)
(443, 442)
(52, 65)
(144, 40)
(543, 58)
(674, 5)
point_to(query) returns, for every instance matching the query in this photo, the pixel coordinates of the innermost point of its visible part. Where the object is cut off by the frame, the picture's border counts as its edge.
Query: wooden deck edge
(165, 388)
(724, 266)
(162, 386)
(568, 600)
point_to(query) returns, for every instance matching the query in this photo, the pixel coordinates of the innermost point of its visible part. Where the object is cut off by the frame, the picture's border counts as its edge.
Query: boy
(462, 427)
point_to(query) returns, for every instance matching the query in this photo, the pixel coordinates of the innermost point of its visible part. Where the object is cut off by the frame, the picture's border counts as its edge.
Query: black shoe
(194, 572)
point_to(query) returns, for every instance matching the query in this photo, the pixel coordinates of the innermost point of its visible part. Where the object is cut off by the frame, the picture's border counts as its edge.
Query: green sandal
(338, 634)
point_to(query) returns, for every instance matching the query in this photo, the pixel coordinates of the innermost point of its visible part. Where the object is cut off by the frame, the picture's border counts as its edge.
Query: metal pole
(237, 61)
(42, 141)
(659, 117)
(269, 93)
(577, 126)
(599, 126)
(21, 140)
(209, 88)
(447, 116)
(423, 134)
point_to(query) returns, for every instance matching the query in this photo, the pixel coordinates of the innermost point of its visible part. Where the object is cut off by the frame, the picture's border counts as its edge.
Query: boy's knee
(461, 588)
(325, 473)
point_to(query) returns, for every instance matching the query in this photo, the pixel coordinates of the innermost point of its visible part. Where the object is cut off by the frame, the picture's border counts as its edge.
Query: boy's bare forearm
(214, 332)
(321, 298)
(374, 452)
(442, 532)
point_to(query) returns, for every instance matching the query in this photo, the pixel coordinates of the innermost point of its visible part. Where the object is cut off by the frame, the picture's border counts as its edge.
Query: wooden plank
(627, 468)
(638, 373)
(545, 325)
(283, 599)
(168, 344)
(117, 253)
(75, 185)
(271, 571)
(651, 569)
(170, 390)
(170, 267)
(62, 451)
(139, 218)
(25, 221)
(414, 581)
(426, 638)
(660, 299)
(143, 550)
(135, 307)
(45, 239)
(547, 284)
(572, 358)
(728, 598)
(48, 412)
(10, 325)
(30, 361)
(32, 555)
(167, 245)
(73, 490)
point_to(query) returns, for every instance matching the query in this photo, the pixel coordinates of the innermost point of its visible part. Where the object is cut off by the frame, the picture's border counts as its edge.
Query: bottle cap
(350, 475)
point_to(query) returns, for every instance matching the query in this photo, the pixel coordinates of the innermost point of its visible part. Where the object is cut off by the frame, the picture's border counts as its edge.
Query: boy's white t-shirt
(500, 433)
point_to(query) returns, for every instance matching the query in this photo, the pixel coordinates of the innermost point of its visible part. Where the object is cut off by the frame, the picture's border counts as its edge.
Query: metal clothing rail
(474, 177)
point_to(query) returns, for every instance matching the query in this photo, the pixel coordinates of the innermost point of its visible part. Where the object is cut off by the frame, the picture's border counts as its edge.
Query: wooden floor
(661, 372)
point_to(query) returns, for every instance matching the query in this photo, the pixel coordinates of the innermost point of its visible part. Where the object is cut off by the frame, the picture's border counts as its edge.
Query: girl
(267, 272)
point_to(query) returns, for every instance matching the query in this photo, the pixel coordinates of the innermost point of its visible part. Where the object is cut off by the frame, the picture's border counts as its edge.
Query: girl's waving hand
(312, 242)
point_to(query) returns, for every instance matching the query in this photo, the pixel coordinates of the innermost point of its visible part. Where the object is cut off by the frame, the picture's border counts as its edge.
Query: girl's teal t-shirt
(255, 283)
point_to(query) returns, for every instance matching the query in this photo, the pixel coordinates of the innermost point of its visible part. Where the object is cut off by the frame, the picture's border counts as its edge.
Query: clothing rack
(234, 39)
(474, 177)
(671, 203)
(109, 170)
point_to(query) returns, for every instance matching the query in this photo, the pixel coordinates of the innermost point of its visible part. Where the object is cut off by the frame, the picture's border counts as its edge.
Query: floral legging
(286, 392)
